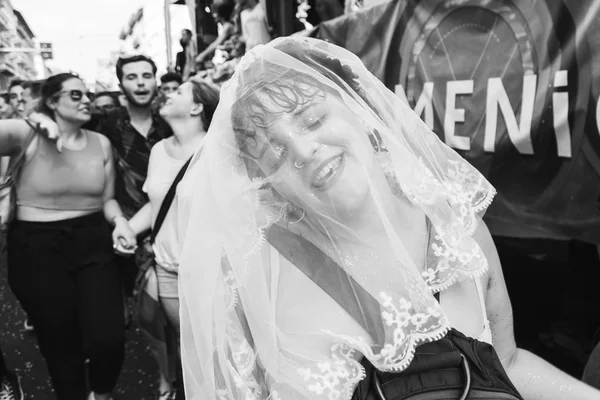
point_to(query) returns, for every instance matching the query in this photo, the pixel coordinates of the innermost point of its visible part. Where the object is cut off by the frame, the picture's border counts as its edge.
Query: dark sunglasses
(75, 95)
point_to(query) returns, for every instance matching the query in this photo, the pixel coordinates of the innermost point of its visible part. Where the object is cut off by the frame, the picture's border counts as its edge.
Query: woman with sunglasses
(60, 257)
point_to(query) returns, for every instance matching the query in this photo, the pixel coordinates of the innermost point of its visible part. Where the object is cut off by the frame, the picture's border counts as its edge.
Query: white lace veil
(324, 216)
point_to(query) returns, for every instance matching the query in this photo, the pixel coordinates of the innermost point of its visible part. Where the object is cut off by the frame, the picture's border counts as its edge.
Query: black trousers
(65, 276)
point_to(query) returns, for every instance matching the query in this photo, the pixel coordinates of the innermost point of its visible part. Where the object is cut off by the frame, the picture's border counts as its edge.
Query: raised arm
(227, 31)
(535, 378)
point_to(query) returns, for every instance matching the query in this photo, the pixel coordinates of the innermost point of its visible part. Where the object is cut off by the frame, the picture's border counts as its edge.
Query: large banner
(511, 85)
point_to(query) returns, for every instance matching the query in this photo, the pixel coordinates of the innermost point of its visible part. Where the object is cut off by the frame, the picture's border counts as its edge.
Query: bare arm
(142, 220)
(112, 210)
(13, 133)
(216, 43)
(534, 378)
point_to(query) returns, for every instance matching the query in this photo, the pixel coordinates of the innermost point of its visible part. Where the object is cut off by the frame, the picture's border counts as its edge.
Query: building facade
(146, 33)
(19, 50)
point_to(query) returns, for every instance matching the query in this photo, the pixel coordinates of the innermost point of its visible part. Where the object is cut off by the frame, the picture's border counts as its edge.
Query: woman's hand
(47, 127)
(124, 239)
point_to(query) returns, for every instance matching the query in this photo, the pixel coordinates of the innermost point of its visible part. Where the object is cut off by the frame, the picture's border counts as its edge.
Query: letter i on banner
(560, 112)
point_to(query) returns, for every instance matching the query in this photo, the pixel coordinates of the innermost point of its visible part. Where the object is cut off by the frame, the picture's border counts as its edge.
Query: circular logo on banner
(481, 59)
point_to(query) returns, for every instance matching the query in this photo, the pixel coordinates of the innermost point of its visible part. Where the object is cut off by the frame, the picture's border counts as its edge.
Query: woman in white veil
(322, 220)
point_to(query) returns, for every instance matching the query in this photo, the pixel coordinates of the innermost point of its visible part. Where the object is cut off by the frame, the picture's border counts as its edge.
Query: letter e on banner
(454, 115)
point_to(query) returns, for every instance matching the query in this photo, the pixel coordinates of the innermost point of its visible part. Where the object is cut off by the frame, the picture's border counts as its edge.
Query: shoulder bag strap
(167, 201)
(330, 277)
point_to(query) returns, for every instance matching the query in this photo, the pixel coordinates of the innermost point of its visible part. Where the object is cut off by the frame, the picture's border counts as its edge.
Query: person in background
(32, 93)
(104, 102)
(6, 110)
(10, 385)
(133, 130)
(169, 82)
(188, 111)
(15, 94)
(222, 11)
(185, 63)
(328, 9)
(61, 265)
(253, 22)
(24, 98)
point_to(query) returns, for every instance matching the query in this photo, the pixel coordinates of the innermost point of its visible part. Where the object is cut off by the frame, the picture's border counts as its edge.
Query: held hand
(124, 239)
(48, 128)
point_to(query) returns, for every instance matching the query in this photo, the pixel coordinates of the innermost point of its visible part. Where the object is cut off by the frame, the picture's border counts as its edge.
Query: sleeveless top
(71, 180)
(254, 26)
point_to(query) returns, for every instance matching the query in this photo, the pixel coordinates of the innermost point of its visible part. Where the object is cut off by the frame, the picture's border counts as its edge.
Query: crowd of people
(309, 236)
(91, 174)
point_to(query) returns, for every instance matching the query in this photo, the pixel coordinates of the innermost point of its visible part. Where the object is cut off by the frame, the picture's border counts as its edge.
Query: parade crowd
(116, 194)
(104, 177)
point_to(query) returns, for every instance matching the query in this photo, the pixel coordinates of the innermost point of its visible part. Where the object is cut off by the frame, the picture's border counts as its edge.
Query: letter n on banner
(520, 135)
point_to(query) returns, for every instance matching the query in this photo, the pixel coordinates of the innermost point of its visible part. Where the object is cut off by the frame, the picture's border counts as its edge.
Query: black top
(131, 151)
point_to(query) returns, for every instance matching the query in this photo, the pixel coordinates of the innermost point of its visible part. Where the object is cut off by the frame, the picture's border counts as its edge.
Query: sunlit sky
(81, 30)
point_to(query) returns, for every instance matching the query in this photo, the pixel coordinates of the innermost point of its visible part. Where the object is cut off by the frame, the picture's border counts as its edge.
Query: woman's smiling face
(317, 155)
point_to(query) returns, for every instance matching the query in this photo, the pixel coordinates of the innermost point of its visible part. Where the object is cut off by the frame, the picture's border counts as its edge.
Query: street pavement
(139, 375)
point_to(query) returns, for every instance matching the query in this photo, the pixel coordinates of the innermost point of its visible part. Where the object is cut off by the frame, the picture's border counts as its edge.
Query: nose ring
(298, 166)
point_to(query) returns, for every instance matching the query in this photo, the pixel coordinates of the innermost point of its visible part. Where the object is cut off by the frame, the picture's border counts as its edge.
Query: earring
(283, 213)
(298, 166)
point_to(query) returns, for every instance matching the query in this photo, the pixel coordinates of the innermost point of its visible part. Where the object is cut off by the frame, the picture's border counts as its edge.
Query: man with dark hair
(169, 82)
(32, 92)
(121, 62)
(133, 130)
(15, 95)
(104, 102)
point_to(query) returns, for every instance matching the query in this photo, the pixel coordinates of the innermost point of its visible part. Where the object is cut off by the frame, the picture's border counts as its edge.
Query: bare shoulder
(104, 143)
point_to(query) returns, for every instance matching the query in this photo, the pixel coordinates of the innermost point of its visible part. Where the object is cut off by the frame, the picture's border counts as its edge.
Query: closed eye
(315, 123)
(274, 156)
